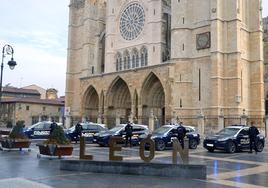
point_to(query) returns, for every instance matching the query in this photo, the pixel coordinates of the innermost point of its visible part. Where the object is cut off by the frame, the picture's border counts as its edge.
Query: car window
(189, 130)
(100, 128)
(85, 126)
(173, 131)
(39, 126)
(137, 128)
(46, 126)
(244, 132)
(92, 127)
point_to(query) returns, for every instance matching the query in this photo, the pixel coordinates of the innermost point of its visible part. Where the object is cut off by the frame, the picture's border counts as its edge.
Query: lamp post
(7, 50)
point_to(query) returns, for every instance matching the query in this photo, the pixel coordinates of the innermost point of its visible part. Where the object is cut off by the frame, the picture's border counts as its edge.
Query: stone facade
(203, 65)
(30, 110)
(265, 55)
(41, 90)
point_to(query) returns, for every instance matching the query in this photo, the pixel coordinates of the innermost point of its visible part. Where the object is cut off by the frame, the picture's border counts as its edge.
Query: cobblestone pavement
(24, 169)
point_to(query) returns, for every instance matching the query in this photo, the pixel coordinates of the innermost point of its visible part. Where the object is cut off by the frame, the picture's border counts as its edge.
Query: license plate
(210, 145)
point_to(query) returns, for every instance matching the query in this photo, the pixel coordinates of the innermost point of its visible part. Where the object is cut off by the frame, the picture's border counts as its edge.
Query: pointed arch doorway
(91, 104)
(153, 100)
(119, 102)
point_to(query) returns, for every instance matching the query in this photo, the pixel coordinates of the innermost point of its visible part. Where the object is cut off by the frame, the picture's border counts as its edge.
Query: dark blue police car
(163, 136)
(89, 131)
(231, 139)
(40, 130)
(119, 130)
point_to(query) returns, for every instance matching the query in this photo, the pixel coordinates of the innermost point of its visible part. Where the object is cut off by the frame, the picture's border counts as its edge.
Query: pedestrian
(181, 134)
(128, 130)
(253, 133)
(78, 131)
(53, 126)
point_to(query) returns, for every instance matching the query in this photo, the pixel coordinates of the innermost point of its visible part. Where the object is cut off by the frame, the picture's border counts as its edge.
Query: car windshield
(228, 131)
(116, 129)
(72, 128)
(161, 130)
(34, 125)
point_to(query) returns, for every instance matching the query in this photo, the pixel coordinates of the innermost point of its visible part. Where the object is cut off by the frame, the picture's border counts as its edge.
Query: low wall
(188, 171)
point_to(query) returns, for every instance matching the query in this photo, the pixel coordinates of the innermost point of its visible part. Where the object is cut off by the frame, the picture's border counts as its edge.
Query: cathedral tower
(85, 46)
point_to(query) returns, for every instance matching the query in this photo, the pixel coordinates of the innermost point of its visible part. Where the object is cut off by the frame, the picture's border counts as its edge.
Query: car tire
(192, 144)
(160, 145)
(210, 149)
(259, 146)
(231, 148)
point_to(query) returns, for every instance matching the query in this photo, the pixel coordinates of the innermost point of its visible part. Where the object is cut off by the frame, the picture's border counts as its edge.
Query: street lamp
(7, 50)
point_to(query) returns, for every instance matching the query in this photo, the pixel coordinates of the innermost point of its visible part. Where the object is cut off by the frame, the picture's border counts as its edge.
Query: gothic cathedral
(155, 62)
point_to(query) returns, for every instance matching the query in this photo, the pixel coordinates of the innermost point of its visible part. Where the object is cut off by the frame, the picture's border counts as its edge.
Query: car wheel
(193, 144)
(160, 145)
(231, 148)
(210, 149)
(259, 146)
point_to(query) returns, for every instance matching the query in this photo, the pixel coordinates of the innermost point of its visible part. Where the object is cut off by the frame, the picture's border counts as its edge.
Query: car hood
(154, 135)
(106, 133)
(216, 137)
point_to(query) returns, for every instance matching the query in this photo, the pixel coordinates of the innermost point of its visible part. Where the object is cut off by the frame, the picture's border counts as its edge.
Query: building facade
(21, 104)
(265, 55)
(31, 110)
(162, 61)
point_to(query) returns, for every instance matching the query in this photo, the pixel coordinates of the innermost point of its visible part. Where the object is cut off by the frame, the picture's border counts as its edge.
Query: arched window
(144, 57)
(135, 58)
(126, 60)
(118, 62)
(133, 61)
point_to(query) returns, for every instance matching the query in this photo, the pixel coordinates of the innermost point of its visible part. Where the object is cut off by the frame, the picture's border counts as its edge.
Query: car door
(40, 131)
(243, 138)
(136, 132)
(173, 133)
(89, 131)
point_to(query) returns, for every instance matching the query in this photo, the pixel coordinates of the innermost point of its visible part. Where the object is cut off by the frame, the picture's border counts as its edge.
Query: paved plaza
(24, 169)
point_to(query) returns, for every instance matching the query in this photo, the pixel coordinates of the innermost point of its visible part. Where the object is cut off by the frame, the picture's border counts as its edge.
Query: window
(44, 108)
(133, 61)
(118, 62)
(144, 57)
(244, 132)
(27, 108)
(128, 62)
(137, 60)
(132, 21)
(125, 63)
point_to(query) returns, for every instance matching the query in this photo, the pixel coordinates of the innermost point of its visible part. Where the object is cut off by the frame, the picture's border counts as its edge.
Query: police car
(89, 131)
(119, 130)
(163, 136)
(40, 130)
(231, 139)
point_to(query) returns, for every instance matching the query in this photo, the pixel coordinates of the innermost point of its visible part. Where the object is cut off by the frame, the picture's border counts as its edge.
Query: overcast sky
(38, 32)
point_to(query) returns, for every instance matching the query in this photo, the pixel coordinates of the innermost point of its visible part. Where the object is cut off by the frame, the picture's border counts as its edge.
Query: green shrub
(21, 123)
(17, 132)
(9, 124)
(57, 137)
